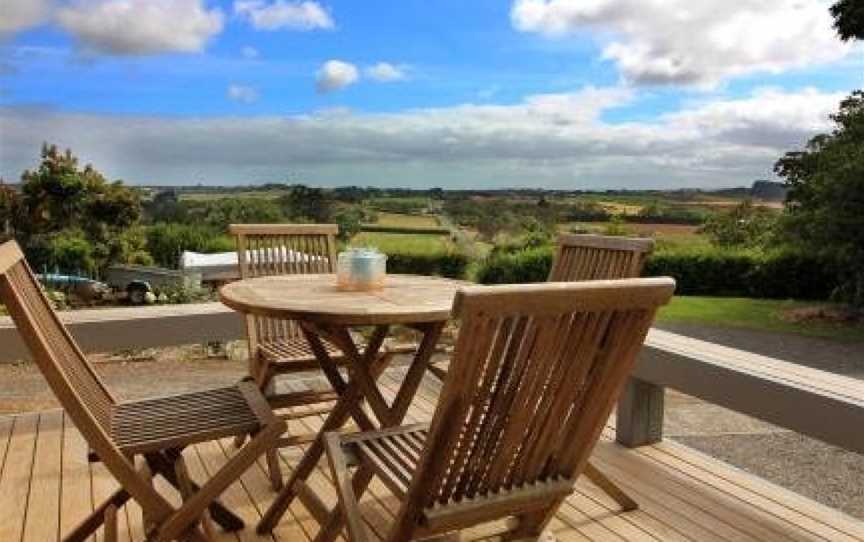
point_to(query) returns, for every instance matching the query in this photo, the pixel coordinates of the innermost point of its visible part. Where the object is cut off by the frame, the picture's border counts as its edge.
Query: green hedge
(711, 272)
(446, 264)
(530, 265)
(377, 228)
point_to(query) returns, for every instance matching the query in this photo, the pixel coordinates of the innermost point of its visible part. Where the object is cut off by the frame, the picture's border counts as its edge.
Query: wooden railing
(823, 405)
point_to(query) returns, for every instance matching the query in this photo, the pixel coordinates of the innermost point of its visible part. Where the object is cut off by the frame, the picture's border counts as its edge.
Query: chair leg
(85, 529)
(531, 525)
(609, 487)
(274, 470)
(186, 516)
(111, 523)
(187, 489)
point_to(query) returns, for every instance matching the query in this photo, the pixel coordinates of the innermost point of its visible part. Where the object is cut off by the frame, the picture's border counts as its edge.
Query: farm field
(400, 220)
(401, 242)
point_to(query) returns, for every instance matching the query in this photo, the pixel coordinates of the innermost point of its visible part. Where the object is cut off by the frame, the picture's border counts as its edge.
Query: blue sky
(491, 93)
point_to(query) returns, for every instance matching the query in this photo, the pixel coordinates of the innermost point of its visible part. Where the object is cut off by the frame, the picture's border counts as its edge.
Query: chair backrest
(70, 375)
(282, 249)
(67, 370)
(598, 257)
(535, 373)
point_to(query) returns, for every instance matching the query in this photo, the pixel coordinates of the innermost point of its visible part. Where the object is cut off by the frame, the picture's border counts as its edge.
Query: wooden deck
(46, 486)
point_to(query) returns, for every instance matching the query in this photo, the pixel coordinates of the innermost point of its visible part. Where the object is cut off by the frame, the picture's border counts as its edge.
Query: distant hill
(768, 190)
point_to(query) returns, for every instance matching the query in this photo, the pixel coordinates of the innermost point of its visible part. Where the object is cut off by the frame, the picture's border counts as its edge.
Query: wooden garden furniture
(598, 257)
(323, 312)
(152, 431)
(276, 345)
(536, 371)
(595, 257)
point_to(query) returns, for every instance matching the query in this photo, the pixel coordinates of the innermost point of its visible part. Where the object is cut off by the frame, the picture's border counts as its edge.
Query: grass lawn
(400, 242)
(407, 221)
(760, 314)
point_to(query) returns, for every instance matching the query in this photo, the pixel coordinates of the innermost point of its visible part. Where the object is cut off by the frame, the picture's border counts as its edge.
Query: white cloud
(17, 15)
(284, 15)
(242, 93)
(386, 72)
(693, 42)
(553, 140)
(335, 75)
(250, 52)
(137, 27)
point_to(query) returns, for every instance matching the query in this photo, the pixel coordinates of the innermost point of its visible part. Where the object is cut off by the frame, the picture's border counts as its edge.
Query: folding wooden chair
(276, 346)
(156, 430)
(598, 257)
(536, 371)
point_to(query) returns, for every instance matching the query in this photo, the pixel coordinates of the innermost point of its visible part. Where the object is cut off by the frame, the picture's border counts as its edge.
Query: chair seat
(181, 420)
(293, 351)
(393, 453)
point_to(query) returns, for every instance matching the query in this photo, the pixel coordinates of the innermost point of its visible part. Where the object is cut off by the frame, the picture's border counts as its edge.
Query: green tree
(849, 19)
(303, 203)
(62, 204)
(826, 194)
(9, 207)
(745, 226)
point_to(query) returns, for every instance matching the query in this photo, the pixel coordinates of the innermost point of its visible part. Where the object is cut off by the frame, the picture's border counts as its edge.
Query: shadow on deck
(47, 486)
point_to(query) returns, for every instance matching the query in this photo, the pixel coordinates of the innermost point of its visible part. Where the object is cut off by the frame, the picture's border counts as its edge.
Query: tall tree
(825, 203)
(9, 207)
(61, 200)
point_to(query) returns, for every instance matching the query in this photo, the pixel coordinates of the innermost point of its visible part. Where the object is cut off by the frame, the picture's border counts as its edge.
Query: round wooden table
(404, 299)
(327, 313)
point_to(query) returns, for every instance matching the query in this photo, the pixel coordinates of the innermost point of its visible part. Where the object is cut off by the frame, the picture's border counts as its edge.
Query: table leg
(431, 333)
(348, 404)
(370, 366)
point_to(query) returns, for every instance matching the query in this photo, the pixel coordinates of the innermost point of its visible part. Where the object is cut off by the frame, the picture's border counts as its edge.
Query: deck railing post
(640, 414)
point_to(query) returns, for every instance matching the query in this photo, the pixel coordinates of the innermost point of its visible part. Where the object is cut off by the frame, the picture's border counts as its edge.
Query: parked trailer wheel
(137, 292)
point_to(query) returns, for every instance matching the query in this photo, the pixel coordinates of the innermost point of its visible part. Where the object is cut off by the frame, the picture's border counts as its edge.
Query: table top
(404, 299)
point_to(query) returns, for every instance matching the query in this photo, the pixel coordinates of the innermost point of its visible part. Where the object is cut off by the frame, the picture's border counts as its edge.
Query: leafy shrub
(796, 274)
(451, 264)
(706, 272)
(529, 265)
(166, 242)
(776, 274)
(710, 272)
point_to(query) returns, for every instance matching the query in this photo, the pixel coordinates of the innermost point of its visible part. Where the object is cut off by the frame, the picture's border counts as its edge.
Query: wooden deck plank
(43, 516)
(677, 459)
(47, 486)
(76, 493)
(15, 483)
(235, 497)
(822, 514)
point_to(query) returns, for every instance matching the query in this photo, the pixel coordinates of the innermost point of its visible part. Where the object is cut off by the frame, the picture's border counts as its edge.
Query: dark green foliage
(712, 272)
(63, 207)
(825, 204)
(784, 274)
(305, 204)
(10, 206)
(745, 226)
(522, 266)
(350, 220)
(849, 19)
(404, 229)
(166, 242)
(166, 207)
(451, 264)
